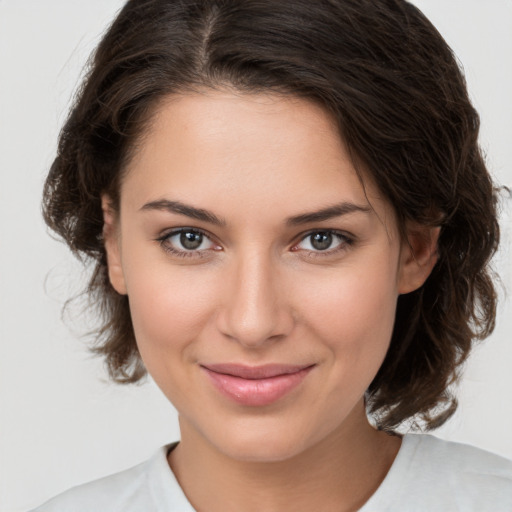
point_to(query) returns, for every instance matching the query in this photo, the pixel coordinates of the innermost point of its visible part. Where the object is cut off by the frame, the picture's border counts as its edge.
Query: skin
(258, 291)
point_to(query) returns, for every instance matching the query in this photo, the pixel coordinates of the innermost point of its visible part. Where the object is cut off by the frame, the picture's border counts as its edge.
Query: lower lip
(256, 392)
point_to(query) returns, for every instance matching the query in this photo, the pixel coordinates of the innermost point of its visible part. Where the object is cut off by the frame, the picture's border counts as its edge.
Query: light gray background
(61, 423)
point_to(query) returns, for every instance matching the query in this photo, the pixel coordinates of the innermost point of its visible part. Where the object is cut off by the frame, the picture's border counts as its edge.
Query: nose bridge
(254, 310)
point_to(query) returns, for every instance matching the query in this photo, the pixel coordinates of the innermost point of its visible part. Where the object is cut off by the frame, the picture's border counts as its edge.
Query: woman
(292, 223)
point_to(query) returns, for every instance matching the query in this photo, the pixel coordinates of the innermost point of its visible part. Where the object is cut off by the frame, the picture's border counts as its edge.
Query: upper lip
(255, 372)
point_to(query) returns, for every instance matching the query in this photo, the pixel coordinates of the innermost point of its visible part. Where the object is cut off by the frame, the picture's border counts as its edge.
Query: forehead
(258, 148)
(227, 123)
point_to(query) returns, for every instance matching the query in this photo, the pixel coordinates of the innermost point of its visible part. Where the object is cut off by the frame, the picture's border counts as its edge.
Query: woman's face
(262, 278)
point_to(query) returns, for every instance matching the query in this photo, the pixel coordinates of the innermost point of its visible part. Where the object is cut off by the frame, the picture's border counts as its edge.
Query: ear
(418, 256)
(111, 239)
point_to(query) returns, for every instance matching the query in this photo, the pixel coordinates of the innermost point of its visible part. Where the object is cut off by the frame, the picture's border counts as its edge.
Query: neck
(340, 473)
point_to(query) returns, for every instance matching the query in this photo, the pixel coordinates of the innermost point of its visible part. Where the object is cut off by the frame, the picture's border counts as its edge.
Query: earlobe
(418, 257)
(112, 243)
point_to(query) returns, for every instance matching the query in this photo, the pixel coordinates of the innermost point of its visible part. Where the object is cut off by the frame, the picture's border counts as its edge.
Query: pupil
(191, 240)
(321, 241)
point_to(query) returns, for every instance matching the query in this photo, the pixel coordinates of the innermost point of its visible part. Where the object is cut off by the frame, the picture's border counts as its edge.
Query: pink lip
(256, 385)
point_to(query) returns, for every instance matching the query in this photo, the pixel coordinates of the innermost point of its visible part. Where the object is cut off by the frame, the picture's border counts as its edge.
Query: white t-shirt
(428, 475)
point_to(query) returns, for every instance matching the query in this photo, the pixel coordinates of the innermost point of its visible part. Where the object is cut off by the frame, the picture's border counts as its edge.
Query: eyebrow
(327, 213)
(206, 216)
(183, 209)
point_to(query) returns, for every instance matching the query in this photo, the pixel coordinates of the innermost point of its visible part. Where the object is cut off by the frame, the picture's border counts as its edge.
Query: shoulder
(432, 474)
(148, 486)
(448, 456)
(468, 477)
(111, 493)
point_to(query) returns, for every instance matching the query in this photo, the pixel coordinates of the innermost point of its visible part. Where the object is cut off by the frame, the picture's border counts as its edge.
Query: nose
(255, 310)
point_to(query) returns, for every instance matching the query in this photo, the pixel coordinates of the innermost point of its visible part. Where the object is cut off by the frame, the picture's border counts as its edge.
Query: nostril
(254, 326)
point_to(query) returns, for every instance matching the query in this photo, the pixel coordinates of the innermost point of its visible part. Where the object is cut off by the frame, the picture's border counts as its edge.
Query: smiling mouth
(256, 385)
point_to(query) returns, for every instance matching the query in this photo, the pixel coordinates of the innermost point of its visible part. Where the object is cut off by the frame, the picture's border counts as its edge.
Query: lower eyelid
(343, 239)
(164, 238)
(185, 254)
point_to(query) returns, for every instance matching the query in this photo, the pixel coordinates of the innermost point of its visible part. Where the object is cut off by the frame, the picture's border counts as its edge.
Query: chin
(262, 450)
(264, 442)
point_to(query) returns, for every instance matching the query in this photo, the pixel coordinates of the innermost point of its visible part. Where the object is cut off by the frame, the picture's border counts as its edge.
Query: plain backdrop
(61, 422)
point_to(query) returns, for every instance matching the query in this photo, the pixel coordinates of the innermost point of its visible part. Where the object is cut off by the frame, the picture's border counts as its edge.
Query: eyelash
(345, 242)
(164, 239)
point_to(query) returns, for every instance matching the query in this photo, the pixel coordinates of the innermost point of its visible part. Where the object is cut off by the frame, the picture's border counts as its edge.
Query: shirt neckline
(388, 491)
(167, 494)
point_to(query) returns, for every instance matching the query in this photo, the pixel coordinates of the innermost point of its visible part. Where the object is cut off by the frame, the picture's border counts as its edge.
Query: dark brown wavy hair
(394, 86)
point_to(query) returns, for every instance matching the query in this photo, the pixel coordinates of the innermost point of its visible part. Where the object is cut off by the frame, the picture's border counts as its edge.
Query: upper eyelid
(347, 241)
(338, 232)
(170, 248)
(165, 234)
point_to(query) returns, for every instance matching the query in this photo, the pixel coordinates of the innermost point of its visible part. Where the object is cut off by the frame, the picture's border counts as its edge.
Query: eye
(190, 240)
(323, 241)
(187, 242)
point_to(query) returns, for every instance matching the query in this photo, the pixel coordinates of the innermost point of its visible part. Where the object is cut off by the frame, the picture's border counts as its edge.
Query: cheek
(169, 306)
(353, 312)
